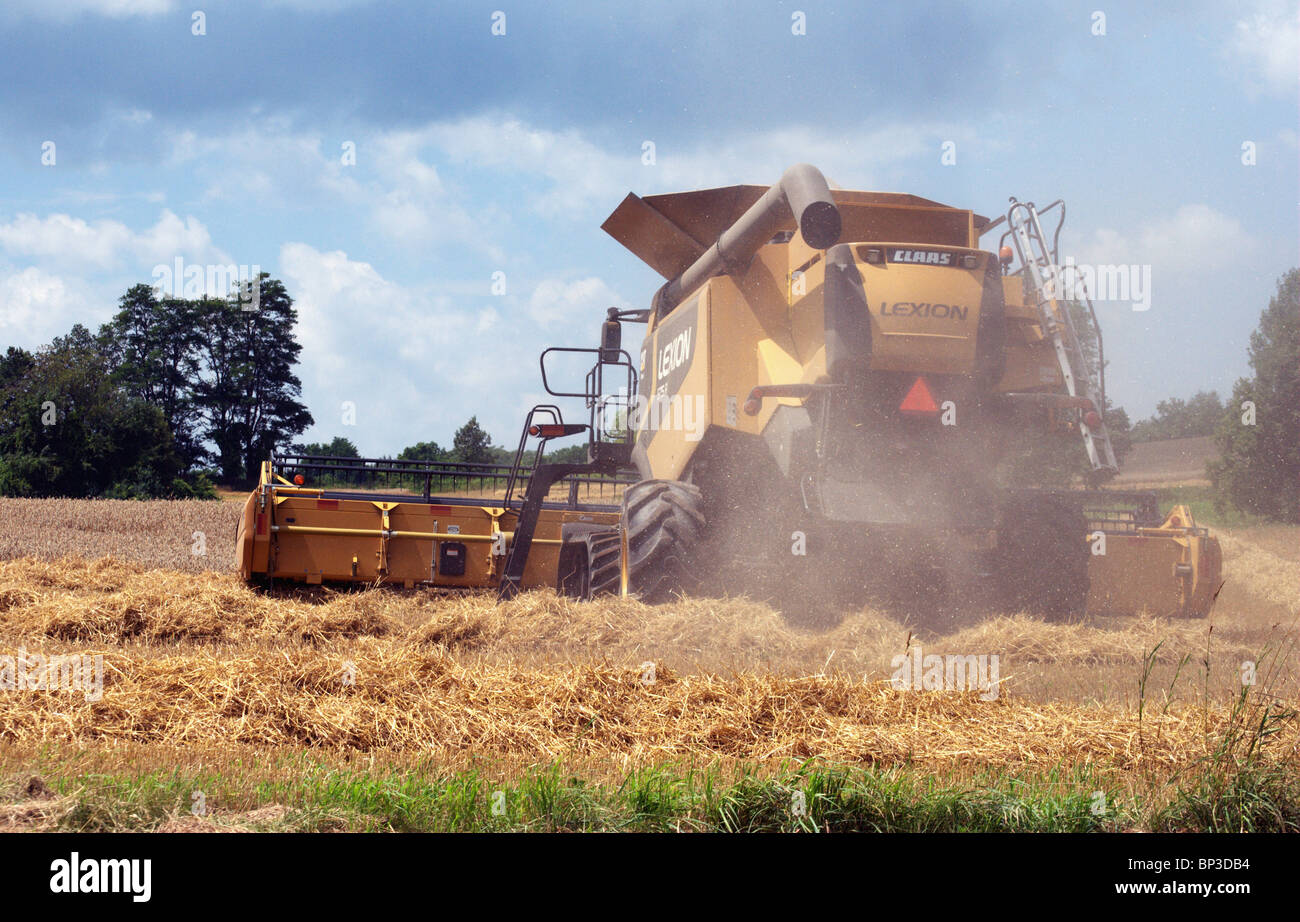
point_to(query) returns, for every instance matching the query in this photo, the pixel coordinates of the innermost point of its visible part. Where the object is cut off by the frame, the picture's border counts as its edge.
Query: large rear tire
(1042, 557)
(664, 523)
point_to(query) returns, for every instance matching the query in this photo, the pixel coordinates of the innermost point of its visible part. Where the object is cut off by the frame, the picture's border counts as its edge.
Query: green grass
(1201, 500)
(1252, 800)
(671, 798)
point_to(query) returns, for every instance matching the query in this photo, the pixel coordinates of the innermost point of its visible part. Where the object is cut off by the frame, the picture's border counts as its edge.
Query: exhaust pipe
(802, 197)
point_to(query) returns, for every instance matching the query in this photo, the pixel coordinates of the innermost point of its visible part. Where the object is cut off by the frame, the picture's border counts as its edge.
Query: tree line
(168, 395)
(1181, 419)
(470, 445)
(1258, 432)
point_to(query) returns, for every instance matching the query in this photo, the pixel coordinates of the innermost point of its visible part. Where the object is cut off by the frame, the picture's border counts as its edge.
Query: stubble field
(391, 709)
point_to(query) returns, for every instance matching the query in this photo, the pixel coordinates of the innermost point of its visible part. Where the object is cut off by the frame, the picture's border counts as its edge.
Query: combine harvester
(827, 386)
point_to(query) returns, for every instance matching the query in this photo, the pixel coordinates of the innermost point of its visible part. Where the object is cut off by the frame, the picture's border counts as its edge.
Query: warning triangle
(919, 399)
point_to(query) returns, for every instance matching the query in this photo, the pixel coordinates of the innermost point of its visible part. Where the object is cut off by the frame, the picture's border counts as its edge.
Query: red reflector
(327, 504)
(261, 524)
(549, 430)
(919, 399)
(1092, 419)
(440, 509)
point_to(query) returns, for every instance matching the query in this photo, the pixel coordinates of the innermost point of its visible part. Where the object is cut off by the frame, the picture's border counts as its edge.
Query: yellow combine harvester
(827, 386)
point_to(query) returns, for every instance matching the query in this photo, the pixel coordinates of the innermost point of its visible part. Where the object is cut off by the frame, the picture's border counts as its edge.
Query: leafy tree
(1259, 465)
(1035, 456)
(570, 454)
(218, 391)
(154, 347)
(430, 452)
(337, 447)
(1121, 431)
(424, 451)
(471, 444)
(69, 430)
(249, 394)
(13, 365)
(1178, 419)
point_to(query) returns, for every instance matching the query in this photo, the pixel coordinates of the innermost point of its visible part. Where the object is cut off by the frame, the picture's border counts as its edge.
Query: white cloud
(263, 159)
(555, 302)
(36, 306)
(583, 177)
(1264, 47)
(410, 203)
(422, 188)
(1194, 241)
(487, 320)
(416, 361)
(61, 236)
(68, 9)
(64, 240)
(409, 357)
(401, 194)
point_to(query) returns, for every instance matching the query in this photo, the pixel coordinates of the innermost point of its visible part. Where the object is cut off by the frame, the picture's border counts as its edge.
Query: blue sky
(479, 153)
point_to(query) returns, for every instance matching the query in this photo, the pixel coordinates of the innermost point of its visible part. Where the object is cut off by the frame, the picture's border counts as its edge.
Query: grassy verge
(1201, 500)
(739, 798)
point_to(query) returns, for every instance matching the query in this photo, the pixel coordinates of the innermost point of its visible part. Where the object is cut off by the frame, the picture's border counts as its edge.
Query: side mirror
(611, 340)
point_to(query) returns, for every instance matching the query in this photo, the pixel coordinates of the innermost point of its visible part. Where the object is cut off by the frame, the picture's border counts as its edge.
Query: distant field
(161, 533)
(1173, 461)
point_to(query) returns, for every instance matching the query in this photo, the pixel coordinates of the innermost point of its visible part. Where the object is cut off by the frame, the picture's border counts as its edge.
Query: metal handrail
(456, 472)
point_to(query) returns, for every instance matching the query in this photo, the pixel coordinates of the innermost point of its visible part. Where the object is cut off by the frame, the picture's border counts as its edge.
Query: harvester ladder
(1045, 284)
